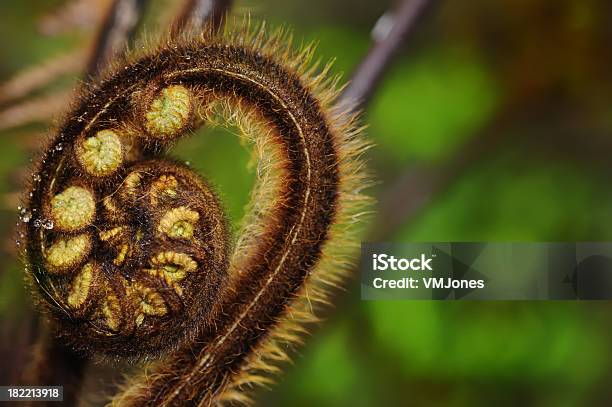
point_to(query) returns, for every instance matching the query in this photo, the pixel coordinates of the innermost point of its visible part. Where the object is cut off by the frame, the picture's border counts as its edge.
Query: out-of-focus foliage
(546, 180)
(455, 95)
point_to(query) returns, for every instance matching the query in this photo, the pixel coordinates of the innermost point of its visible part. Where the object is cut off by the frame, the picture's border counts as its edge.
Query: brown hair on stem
(128, 250)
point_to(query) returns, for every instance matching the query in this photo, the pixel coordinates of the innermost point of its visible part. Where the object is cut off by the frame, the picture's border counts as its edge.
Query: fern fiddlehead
(129, 251)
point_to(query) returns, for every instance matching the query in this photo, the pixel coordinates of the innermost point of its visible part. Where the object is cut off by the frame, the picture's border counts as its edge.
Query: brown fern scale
(129, 250)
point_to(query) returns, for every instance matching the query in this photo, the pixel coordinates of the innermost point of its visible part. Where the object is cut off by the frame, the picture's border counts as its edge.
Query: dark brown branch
(198, 13)
(392, 30)
(116, 32)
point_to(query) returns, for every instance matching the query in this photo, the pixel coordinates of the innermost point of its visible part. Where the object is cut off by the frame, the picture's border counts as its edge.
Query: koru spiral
(128, 251)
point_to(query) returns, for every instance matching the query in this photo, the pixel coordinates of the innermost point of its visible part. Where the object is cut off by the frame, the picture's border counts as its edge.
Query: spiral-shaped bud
(134, 265)
(129, 250)
(169, 112)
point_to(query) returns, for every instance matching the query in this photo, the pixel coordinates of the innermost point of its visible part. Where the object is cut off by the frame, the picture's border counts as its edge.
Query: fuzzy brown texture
(224, 325)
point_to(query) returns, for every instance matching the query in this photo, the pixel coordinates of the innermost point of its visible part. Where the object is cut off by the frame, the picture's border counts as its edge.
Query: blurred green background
(494, 124)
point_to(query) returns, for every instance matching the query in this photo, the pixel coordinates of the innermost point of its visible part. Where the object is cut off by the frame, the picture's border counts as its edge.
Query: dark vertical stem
(199, 13)
(395, 26)
(117, 30)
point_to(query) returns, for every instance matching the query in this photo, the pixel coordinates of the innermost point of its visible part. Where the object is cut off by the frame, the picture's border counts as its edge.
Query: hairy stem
(130, 252)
